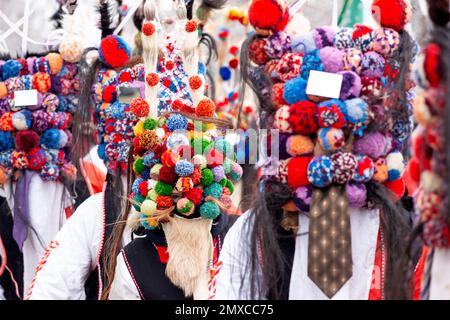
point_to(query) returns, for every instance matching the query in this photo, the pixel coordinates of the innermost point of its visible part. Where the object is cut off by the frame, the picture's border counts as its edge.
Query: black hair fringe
(105, 25)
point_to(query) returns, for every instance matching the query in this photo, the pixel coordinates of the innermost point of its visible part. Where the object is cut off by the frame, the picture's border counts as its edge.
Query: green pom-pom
(227, 165)
(209, 210)
(137, 201)
(139, 166)
(185, 206)
(198, 143)
(163, 189)
(223, 182)
(228, 184)
(214, 190)
(152, 195)
(150, 124)
(207, 177)
(161, 122)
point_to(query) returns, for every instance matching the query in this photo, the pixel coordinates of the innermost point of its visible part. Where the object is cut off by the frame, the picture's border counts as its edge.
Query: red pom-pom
(432, 64)
(42, 82)
(268, 14)
(36, 159)
(234, 63)
(195, 82)
(297, 172)
(191, 26)
(205, 108)
(257, 51)
(148, 29)
(27, 140)
(152, 79)
(109, 94)
(139, 107)
(164, 202)
(195, 195)
(170, 65)
(398, 187)
(393, 14)
(167, 175)
(278, 91)
(303, 117)
(360, 31)
(196, 176)
(214, 158)
(114, 51)
(125, 77)
(138, 150)
(414, 169)
(143, 188)
(234, 50)
(169, 158)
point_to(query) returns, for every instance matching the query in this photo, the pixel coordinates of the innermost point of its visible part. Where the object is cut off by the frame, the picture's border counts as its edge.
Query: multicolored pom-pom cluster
(326, 141)
(38, 137)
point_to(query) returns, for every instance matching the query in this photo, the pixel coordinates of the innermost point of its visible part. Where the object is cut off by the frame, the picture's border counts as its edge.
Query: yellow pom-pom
(139, 128)
(55, 61)
(148, 207)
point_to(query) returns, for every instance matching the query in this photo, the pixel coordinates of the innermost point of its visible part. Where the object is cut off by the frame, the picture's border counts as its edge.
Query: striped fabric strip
(426, 279)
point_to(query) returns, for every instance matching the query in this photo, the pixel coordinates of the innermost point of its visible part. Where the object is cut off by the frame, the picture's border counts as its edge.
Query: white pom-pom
(430, 182)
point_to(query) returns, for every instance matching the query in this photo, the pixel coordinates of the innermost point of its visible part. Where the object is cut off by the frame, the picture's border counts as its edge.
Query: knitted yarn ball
(200, 145)
(184, 184)
(365, 169)
(303, 117)
(302, 198)
(71, 48)
(257, 51)
(394, 14)
(49, 172)
(356, 194)
(209, 210)
(396, 166)
(332, 59)
(282, 120)
(19, 159)
(295, 90)
(36, 159)
(323, 37)
(21, 120)
(297, 169)
(330, 114)
(351, 85)
(137, 202)
(386, 41)
(169, 158)
(41, 82)
(214, 190)
(277, 44)
(177, 122)
(289, 66)
(27, 140)
(311, 61)
(225, 73)
(363, 37)
(155, 170)
(352, 60)
(344, 166)
(320, 172)
(343, 39)
(114, 51)
(373, 65)
(268, 14)
(184, 168)
(331, 139)
(185, 206)
(139, 107)
(298, 145)
(303, 43)
(373, 145)
(11, 69)
(356, 114)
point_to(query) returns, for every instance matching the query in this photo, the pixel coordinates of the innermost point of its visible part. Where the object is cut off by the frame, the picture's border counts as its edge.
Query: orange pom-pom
(148, 139)
(3, 90)
(191, 26)
(6, 123)
(55, 61)
(42, 82)
(148, 29)
(195, 82)
(169, 158)
(205, 108)
(164, 202)
(139, 107)
(152, 79)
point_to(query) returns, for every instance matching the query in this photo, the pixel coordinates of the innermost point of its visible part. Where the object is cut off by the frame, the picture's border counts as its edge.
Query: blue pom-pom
(177, 122)
(320, 172)
(310, 62)
(356, 113)
(184, 168)
(150, 159)
(117, 110)
(101, 151)
(303, 42)
(214, 190)
(5, 158)
(201, 68)
(225, 73)
(209, 210)
(135, 185)
(50, 172)
(394, 174)
(11, 69)
(295, 90)
(50, 139)
(6, 140)
(146, 173)
(145, 224)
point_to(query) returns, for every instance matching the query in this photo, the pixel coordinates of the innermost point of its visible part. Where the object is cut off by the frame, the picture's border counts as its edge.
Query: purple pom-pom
(323, 37)
(373, 65)
(357, 194)
(332, 59)
(40, 121)
(373, 145)
(351, 85)
(302, 198)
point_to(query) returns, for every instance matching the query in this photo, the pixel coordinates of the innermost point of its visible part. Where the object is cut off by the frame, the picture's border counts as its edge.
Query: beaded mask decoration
(429, 166)
(38, 137)
(331, 146)
(181, 167)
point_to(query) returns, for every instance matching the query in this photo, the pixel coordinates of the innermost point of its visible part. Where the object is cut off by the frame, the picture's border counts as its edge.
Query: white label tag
(324, 84)
(23, 98)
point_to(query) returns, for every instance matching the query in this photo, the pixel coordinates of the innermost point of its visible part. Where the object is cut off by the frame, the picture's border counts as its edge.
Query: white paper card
(23, 98)
(324, 84)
